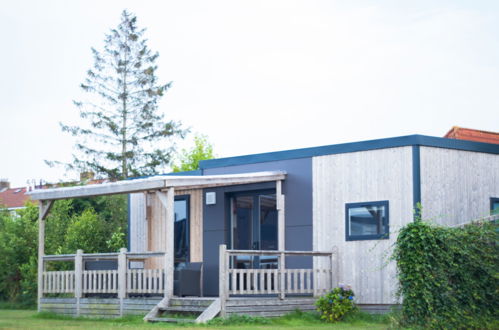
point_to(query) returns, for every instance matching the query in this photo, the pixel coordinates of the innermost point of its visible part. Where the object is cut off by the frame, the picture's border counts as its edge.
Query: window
(253, 223)
(368, 220)
(494, 205)
(181, 229)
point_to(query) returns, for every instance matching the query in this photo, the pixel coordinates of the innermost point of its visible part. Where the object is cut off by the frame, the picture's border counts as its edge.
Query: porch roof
(156, 183)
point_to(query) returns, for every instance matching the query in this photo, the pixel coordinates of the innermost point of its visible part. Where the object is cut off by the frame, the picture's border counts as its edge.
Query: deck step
(200, 302)
(184, 309)
(171, 320)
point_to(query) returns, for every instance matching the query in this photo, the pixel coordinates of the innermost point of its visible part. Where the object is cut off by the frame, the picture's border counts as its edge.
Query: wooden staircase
(184, 310)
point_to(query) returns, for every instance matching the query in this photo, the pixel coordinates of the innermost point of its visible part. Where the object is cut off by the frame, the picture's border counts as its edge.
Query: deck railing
(121, 281)
(276, 279)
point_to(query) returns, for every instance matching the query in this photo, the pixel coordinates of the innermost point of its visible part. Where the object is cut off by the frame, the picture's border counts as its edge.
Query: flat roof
(401, 141)
(155, 183)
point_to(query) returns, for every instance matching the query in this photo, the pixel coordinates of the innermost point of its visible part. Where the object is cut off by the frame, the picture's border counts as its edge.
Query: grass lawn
(29, 319)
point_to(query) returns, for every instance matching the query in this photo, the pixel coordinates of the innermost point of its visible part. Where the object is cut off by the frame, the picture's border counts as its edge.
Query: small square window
(368, 220)
(494, 205)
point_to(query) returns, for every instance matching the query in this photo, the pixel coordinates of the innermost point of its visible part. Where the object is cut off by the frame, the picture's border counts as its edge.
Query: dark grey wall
(298, 191)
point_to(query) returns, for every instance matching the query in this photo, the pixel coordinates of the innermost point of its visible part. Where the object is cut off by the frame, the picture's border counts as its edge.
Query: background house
(12, 198)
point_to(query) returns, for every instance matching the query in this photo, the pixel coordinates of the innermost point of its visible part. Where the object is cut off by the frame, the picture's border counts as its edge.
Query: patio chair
(187, 280)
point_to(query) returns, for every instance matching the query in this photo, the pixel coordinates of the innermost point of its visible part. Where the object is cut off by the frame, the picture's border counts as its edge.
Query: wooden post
(44, 209)
(222, 279)
(168, 202)
(78, 279)
(281, 223)
(282, 268)
(281, 239)
(122, 269)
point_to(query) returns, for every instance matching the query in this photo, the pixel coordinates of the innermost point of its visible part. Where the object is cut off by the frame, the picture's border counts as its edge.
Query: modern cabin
(276, 229)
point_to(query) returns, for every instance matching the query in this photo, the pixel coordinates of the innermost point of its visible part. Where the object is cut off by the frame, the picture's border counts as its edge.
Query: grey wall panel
(211, 241)
(297, 187)
(456, 185)
(138, 223)
(375, 175)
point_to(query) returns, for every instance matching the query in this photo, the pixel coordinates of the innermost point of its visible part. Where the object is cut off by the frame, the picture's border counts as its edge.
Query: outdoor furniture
(187, 279)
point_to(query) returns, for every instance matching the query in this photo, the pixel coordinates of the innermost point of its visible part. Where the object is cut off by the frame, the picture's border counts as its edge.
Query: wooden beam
(43, 210)
(281, 220)
(223, 279)
(225, 180)
(78, 279)
(120, 187)
(167, 200)
(155, 183)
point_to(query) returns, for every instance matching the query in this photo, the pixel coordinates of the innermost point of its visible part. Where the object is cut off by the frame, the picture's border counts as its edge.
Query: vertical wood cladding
(456, 186)
(375, 175)
(147, 226)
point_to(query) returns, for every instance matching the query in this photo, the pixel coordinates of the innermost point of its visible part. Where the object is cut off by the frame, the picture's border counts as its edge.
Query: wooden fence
(280, 281)
(121, 281)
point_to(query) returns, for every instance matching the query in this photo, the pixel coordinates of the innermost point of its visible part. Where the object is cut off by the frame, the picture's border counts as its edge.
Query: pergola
(164, 188)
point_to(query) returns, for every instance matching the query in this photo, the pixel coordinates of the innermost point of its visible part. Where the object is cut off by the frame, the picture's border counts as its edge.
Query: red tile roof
(469, 134)
(13, 197)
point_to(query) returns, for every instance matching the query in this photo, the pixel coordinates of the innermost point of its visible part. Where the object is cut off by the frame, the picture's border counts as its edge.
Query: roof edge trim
(393, 142)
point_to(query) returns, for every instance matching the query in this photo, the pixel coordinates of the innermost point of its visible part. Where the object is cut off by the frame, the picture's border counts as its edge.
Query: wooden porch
(132, 288)
(143, 282)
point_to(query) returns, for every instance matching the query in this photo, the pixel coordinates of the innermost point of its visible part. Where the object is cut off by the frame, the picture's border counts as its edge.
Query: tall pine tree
(125, 134)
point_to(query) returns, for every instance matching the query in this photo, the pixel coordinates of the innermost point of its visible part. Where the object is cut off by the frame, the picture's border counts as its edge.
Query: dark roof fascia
(185, 173)
(401, 141)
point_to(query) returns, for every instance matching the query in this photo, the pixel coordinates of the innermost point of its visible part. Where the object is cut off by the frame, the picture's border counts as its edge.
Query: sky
(255, 76)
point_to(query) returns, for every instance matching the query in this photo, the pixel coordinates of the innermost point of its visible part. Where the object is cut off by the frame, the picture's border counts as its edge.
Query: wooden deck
(98, 307)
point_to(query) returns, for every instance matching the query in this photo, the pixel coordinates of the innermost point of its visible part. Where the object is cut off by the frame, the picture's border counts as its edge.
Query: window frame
(187, 199)
(492, 201)
(349, 237)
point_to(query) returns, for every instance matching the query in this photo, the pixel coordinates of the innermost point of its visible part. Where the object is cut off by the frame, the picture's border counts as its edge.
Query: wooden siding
(456, 186)
(374, 175)
(147, 225)
(98, 307)
(138, 223)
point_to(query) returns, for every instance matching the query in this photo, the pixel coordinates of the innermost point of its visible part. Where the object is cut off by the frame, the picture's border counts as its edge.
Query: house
(12, 198)
(472, 135)
(278, 228)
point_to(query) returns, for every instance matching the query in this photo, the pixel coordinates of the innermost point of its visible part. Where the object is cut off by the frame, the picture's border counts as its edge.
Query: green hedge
(448, 276)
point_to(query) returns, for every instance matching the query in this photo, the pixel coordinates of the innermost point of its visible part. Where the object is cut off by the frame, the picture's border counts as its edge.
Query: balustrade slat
(293, 281)
(277, 279)
(153, 281)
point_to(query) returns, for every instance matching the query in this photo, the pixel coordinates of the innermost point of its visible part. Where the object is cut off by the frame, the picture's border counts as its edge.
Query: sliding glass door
(253, 223)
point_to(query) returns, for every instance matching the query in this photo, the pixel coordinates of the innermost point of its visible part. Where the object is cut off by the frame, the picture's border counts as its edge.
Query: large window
(368, 220)
(494, 205)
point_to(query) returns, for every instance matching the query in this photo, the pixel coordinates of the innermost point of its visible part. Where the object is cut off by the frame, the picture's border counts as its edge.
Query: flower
(350, 297)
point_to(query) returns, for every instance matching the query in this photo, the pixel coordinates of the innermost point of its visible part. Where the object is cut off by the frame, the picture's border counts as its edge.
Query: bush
(336, 304)
(448, 276)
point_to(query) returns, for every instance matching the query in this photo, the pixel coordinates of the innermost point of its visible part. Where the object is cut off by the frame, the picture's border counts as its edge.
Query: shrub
(448, 276)
(337, 303)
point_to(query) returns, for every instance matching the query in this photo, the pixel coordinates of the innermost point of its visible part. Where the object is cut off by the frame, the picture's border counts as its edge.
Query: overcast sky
(256, 76)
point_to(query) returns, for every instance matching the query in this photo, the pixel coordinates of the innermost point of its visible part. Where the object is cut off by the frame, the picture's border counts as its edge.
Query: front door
(253, 223)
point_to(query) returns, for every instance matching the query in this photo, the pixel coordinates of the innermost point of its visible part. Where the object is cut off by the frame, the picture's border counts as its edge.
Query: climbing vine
(448, 276)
